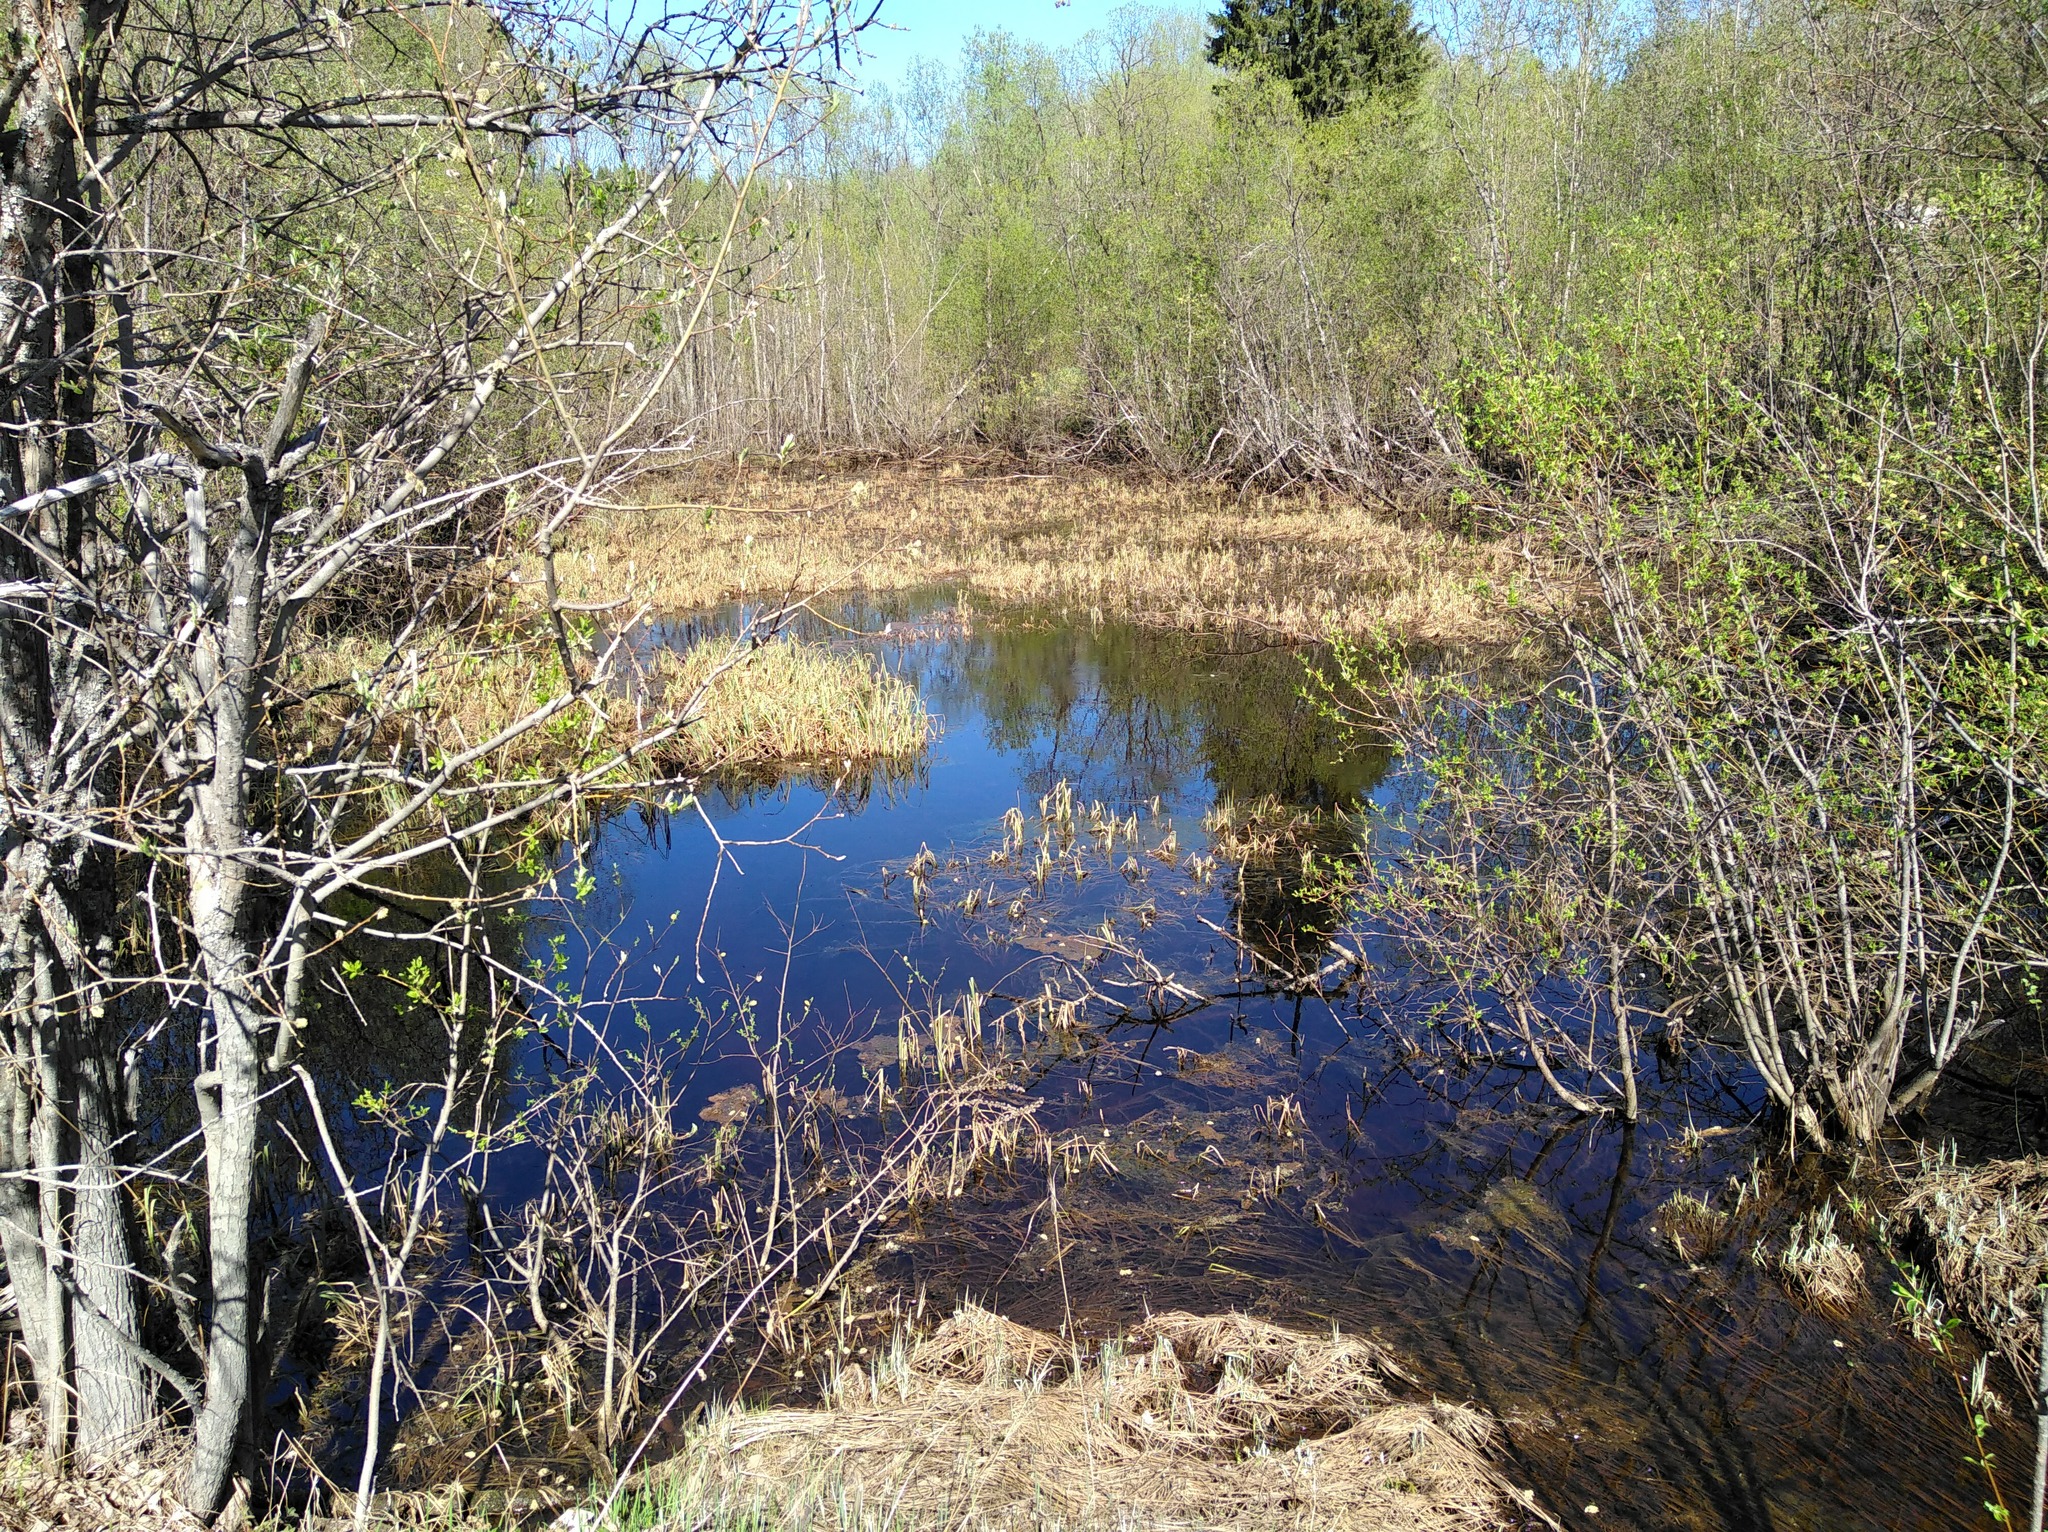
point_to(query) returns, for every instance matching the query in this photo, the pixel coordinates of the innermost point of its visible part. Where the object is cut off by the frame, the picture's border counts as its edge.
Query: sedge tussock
(794, 702)
(1095, 544)
(1694, 1228)
(1220, 1421)
(1988, 1228)
(1821, 1266)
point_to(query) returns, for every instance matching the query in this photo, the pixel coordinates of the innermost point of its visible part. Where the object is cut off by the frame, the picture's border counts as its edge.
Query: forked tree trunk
(218, 836)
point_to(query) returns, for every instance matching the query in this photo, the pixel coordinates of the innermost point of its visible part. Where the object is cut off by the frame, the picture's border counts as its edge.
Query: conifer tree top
(1330, 52)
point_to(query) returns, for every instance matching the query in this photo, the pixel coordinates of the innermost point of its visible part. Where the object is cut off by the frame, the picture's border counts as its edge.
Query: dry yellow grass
(794, 702)
(1218, 1422)
(1259, 829)
(1822, 1267)
(1988, 1227)
(1097, 544)
(787, 703)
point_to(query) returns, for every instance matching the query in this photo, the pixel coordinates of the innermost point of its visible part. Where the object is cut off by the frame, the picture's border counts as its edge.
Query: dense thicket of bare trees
(300, 306)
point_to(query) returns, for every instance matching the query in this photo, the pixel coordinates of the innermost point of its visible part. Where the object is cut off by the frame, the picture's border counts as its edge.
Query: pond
(1289, 1153)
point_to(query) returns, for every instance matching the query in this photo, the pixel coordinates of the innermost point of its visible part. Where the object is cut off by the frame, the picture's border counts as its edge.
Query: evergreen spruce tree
(1330, 52)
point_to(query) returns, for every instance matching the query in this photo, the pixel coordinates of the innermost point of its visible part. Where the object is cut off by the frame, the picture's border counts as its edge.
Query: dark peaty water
(1509, 1252)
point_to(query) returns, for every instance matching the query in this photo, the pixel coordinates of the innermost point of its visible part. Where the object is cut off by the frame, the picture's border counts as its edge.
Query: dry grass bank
(1104, 545)
(1215, 1422)
(787, 703)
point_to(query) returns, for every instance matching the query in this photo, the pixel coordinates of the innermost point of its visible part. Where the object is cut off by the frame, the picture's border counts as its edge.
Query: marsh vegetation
(1286, 773)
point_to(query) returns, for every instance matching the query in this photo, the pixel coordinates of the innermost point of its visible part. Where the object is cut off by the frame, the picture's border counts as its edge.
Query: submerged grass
(787, 703)
(1219, 1421)
(1097, 544)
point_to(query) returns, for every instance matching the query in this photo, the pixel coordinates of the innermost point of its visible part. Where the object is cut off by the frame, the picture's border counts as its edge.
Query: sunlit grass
(795, 702)
(784, 703)
(1213, 1421)
(1093, 544)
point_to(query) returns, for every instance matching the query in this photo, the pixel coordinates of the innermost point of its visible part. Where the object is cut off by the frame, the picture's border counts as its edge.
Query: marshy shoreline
(881, 1416)
(1296, 567)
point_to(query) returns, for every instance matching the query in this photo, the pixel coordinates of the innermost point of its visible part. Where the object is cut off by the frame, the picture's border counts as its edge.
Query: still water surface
(1507, 1251)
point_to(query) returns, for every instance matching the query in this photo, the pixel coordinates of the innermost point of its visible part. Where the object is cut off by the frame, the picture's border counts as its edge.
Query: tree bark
(218, 839)
(115, 1406)
(63, 1211)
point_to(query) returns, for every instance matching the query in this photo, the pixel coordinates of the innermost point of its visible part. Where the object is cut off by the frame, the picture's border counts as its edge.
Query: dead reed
(784, 703)
(138, 1492)
(1096, 544)
(1214, 1421)
(1987, 1226)
(1818, 1264)
(794, 702)
(1694, 1228)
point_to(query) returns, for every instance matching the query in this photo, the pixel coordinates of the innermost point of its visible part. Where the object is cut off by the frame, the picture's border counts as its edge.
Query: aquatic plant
(1987, 1227)
(1821, 1266)
(792, 703)
(1258, 829)
(1694, 1229)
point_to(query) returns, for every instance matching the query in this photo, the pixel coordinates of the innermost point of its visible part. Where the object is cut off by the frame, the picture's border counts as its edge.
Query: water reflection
(1508, 1251)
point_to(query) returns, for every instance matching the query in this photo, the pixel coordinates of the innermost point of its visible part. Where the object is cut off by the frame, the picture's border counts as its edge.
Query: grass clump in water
(794, 702)
(1215, 1421)
(1258, 830)
(1693, 1228)
(1820, 1265)
(785, 703)
(1987, 1226)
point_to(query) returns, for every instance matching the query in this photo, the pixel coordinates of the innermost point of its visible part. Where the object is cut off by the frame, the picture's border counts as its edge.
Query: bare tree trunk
(26, 1237)
(65, 1231)
(228, 1102)
(115, 1408)
(217, 838)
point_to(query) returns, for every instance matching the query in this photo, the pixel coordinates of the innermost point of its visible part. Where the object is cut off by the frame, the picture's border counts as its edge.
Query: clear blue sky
(935, 29)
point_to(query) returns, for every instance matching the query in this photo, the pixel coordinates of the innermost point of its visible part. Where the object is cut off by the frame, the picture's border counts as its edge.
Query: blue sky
(936, 28)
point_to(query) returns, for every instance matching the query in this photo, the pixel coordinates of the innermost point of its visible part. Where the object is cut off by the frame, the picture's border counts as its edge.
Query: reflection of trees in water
(374, 1019)
(381, 1020)
(1284, 913)
(1118, 710)
(850, 789)
(1126, 712)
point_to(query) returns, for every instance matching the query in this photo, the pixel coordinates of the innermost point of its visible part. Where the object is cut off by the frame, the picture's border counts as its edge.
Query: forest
(1283, 771)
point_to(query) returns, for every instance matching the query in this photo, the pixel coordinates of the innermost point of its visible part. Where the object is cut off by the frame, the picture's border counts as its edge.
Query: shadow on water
(1278, 1151)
